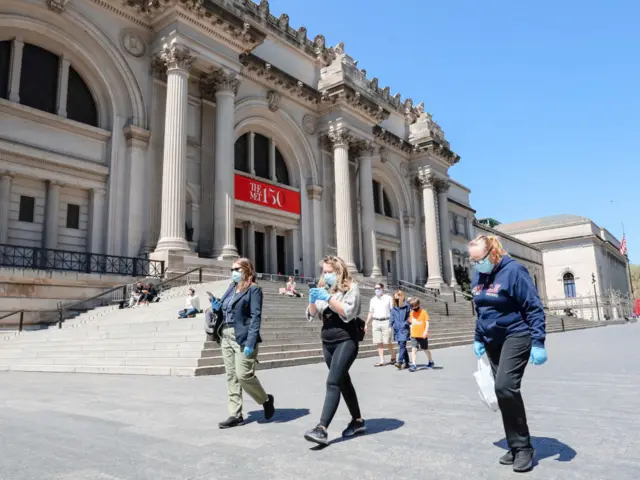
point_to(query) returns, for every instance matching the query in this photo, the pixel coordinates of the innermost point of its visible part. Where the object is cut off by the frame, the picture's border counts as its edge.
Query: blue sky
(541, 99)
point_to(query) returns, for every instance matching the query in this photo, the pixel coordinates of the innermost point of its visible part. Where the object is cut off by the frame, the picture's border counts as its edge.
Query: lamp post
(595, 293)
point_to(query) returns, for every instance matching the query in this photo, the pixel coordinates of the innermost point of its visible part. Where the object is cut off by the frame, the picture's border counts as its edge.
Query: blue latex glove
(248, 351)
(216, 304)
(322, 294)
(538, 356)
(479, 349)
(313, 296)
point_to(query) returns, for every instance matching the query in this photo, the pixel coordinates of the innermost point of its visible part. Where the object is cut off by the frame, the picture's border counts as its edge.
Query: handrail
(185, 274)
(21, 312)
(423, 291)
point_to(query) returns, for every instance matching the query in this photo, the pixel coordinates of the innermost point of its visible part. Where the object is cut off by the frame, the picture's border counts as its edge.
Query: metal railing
(82, 262)
(423, 291)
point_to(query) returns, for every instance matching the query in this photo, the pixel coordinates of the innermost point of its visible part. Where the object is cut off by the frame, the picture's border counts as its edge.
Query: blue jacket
(507, 303)
(246, 310)
(400, 322)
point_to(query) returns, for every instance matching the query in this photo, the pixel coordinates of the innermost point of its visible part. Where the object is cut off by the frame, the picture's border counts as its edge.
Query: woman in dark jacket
(400, 323)
(511, 330)
(240, 314)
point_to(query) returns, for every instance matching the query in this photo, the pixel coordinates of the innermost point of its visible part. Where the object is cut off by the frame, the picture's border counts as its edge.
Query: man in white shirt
(380, 312)
(191, 304)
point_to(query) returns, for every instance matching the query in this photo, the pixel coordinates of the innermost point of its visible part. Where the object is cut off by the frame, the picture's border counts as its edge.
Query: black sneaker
(523, 460)
(269, 408)
(507, 458)
(317, 435)
(398, 366)
(231, 422)
(354, 428)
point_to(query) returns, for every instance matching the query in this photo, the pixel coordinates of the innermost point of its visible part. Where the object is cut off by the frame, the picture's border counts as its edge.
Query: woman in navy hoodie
(400, 324)
(511, 330)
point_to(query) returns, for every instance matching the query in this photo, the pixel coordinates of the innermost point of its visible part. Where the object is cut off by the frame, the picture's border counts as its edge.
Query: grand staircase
(152, 341)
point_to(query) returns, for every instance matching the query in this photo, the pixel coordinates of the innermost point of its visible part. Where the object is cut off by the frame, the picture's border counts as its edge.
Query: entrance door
(239, 242)
(280, 253)
(260, 258)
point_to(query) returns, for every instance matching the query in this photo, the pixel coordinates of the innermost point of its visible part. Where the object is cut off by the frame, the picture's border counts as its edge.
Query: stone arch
(395, 188)
(253, 115)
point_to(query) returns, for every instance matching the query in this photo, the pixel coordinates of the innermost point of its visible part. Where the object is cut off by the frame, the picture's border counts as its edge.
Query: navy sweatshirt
(507, 304)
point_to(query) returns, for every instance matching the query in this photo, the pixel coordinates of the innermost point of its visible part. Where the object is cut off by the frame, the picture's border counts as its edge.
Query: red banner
(267, 195)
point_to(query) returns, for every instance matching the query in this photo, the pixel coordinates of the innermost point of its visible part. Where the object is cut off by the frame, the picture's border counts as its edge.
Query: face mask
(236, 277)
(378, 292)
(330, 279)
(485, 266)
(416, 309)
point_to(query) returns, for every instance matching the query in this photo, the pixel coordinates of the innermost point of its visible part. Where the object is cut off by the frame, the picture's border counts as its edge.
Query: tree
(635, 279)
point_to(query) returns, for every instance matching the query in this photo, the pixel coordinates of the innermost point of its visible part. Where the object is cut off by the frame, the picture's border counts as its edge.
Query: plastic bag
(486, 384)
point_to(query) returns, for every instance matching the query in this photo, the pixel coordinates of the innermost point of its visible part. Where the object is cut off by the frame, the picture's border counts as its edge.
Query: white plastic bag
(486, 384)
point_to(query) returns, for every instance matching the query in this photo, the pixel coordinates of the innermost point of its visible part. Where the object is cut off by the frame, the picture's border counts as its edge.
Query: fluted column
(314, 194)
(340, 137)
(445, 240)
(63, 86)
(5, 204)
(226, 87)
(52, 212)
(272, 160)
(96, 220)
(250, 241)
(17, 47)
(369, 242)
(178, 59)
(427, 182)
(251, 140)
(205, 238)
(409, 223)
(273, 249)
(137, 142)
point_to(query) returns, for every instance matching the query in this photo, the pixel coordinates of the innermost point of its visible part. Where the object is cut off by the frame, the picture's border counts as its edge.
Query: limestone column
(445, 240)
(250, 241)
(137, 142)
(63, 86)
(178, 59)
(314, 194)
(340, 137)
(296, 244)
(427, 182)
(17, 47)
(272, 161)
(97, 220)
(5, 204)
(205, 237)
(195, 221)
(52, 216)
(273, 249)
(226, 86)
(409, 223)
(251, 140)
(369, 242)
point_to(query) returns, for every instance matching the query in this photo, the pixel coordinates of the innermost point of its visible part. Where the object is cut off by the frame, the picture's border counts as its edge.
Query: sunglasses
(237, 269)
(476, 262)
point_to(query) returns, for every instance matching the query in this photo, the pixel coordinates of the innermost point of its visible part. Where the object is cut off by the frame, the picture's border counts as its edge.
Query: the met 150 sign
(260, 193)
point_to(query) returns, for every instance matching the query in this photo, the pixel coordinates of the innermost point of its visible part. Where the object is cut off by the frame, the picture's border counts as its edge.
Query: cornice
(346, 95)
(392, 140)
(122, 10)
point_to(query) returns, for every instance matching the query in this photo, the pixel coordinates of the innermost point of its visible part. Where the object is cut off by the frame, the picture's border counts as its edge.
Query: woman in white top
(191, 304)
(337, 302)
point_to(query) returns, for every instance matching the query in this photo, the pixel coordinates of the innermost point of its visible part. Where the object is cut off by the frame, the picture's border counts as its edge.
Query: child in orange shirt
(419, 320)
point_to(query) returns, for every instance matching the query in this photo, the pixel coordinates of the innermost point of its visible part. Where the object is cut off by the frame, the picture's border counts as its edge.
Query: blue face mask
(378, 292)
(484, 266)
(236, 277)
(330, 279)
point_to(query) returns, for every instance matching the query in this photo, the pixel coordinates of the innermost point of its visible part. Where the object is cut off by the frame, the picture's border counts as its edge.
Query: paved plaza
(583, 411)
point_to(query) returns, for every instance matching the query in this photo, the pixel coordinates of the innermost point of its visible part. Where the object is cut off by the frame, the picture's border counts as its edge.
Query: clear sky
(541, 99)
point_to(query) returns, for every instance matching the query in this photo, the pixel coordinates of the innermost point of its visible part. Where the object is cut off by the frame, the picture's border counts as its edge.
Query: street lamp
(595, 293)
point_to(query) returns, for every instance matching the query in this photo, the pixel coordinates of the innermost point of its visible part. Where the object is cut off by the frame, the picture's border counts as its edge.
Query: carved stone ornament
(176, 56)
(274, 100)
(310, 124)
(221, 81)
(384, 154)
(58, 6)
(366, 149)
(340, 135)
(426, 179)
(133, 43)
(443, 186)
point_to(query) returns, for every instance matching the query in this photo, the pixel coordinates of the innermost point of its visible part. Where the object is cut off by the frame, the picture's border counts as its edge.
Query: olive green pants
(241, 373)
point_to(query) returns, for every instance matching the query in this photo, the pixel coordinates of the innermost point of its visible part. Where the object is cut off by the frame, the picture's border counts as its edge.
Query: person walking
(419, 320)
(241, 313)
(400, 326)
(511, 330)
(380, 312)
(337, 301)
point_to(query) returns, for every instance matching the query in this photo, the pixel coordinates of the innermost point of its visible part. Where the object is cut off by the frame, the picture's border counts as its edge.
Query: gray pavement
(582, 407)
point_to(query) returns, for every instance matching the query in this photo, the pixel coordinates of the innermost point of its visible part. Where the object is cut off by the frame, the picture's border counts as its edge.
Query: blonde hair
(491, 245)
(401, 299)
(248, 273)
(343, 277)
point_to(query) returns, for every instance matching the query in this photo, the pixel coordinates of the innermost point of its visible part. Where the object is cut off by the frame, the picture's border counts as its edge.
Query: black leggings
(339, 357)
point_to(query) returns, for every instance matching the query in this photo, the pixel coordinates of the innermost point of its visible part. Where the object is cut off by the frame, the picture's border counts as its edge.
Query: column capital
(426, 179)
(57, 6)
(176, 56)
(217, 81)
(249, 223)
(55, 183)
(98, 191)
(136, 136)
(443, 186)
(364, 149)
(339, 135)
(314, 192)
(6, 173)
(409, 221)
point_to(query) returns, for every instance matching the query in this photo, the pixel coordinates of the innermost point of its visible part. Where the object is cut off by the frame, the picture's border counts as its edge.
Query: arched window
(381, 202)
(81, 106)
(5, 58)
(261, 153)
(569, 285)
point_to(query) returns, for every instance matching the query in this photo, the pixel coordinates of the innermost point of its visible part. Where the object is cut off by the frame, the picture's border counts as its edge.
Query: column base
(175, 244)
(376, 272)
(351, 268)
(228, 253)
(436, 283)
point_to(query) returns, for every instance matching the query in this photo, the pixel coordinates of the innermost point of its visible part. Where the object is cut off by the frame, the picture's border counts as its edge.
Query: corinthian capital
(220, 81)
(426, 179)
(176, 56)
(443, 185)
(339, 135)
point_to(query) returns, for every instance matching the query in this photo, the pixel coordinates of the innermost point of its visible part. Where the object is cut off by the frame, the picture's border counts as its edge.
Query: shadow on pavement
(546, 448)
(283, 415)
(374, 425)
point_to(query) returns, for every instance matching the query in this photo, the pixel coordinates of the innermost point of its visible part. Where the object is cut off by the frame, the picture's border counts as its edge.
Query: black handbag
(360, 324)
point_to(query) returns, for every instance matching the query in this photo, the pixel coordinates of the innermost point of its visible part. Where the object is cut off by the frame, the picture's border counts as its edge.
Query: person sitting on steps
(192, 305)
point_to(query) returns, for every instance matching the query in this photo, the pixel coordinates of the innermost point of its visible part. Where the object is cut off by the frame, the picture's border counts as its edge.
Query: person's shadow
(374, 426)
(282, 415)
(546, 448)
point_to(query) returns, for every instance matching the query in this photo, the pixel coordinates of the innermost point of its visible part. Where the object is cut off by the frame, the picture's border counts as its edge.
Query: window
(569, 285)
(27, 209)
(377, 206)
(241, 156)
(452, 222)
(73, 216)
(81, 106)
(386, 204)
(261, 155)
(282, 174)
(39, 78)
(381, 202)
(261, 149)
(5, 62)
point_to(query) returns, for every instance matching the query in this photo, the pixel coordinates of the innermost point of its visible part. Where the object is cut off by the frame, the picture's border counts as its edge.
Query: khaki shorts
(382, 333)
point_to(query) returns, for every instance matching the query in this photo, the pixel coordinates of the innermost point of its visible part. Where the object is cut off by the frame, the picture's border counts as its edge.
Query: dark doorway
(259, 239)
(280, 249)
(239, 242)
